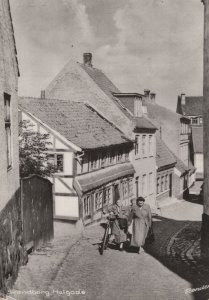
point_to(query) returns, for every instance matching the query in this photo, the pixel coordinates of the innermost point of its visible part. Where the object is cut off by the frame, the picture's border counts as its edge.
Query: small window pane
(60, 162)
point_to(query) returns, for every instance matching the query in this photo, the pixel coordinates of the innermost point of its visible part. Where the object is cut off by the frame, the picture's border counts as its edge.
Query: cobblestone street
(167, 270)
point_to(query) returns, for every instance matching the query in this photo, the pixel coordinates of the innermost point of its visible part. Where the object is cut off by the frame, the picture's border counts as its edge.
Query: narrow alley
(73, 267)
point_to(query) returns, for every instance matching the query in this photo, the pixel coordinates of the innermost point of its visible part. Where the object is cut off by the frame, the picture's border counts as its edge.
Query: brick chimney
(43, 96)
(87, 59)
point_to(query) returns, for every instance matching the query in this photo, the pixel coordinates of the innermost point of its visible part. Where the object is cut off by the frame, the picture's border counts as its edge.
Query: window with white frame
(125, 189)
(107, 196)
(162, 183)
(60, 164)
(93, 161)
(112, 157)
(151, 145)
(119, 156)
(137, 145)
(150, 183)
(144, 185)
(57, 160)
(87, 206)
(7, 122)
(98, 196)
(144, 152)
(158, 185)
(103, 160)
(130, 186)
(166, 182)
(126, 153)
(187, 128)
(96, 201)
(100, 199)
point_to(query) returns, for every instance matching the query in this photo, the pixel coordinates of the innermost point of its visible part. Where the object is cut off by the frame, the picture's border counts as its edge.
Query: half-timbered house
(90, 153)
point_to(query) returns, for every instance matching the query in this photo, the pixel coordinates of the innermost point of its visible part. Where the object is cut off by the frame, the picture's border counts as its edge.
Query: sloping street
(167, 270)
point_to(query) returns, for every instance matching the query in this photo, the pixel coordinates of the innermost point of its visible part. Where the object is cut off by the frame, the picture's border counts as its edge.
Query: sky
(139, 44)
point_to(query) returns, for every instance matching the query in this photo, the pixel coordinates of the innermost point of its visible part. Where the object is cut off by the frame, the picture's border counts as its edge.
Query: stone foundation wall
(12, 253)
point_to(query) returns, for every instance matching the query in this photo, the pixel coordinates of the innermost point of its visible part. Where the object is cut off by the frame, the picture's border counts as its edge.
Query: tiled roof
(193, 106)
(158, 112)
(76, 121)
(181, 166)
(92, 180)
(144, 123)
(164, 156)
(101, 79)
(109, 89)
(128, 102)
(197, 139)
(105, 84)
(88, 84)
(79, 82)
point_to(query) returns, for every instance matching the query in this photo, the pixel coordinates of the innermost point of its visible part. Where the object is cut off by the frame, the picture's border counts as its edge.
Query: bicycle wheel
(105, 240)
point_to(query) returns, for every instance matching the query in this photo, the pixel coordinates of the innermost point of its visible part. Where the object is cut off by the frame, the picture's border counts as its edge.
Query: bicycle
(106, 236)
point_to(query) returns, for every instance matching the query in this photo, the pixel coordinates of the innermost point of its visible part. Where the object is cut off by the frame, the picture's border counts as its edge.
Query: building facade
(143, 157)
(165, 172)
(175, 132)
(92, 158)
(191, 107)
(197, 151)
(11, 245)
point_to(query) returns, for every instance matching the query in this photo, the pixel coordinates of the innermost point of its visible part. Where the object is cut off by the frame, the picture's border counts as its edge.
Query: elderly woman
(142, 222)
(119, 214)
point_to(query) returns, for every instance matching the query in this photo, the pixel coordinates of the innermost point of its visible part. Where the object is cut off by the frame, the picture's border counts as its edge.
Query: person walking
(119, 214)
(141, 220)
